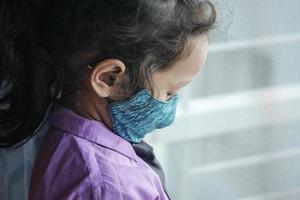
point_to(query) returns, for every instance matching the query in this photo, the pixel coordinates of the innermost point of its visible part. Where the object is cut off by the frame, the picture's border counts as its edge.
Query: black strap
(145, 152)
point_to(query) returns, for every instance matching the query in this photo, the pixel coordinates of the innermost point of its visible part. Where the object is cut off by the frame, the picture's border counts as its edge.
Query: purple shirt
(82, 159)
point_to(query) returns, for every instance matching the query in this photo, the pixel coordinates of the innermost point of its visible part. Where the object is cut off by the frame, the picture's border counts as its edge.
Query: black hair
(146, 35)
(26, 75)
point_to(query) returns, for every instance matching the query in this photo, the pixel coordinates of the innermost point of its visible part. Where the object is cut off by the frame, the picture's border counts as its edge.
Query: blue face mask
(134, 118)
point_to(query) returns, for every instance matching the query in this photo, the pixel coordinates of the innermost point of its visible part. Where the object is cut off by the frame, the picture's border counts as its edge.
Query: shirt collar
(92, 130)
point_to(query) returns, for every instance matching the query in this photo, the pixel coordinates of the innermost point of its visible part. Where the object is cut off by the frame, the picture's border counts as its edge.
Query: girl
(113, 68)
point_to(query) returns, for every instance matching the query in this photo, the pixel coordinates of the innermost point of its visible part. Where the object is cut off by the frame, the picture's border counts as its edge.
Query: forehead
(190, 65)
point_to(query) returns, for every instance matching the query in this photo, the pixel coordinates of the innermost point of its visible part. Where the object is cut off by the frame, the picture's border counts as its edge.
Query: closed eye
(170, 95)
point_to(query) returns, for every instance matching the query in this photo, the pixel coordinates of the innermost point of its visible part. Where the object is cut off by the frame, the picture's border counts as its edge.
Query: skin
(103, 81)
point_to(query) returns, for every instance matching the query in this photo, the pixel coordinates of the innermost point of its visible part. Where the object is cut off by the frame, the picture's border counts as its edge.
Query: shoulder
(62, 168)
(68, 167)
(72, 167)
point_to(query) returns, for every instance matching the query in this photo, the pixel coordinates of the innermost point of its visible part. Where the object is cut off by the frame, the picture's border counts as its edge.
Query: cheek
(161, 84)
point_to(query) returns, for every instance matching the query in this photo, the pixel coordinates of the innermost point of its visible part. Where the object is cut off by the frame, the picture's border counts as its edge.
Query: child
(120, 64)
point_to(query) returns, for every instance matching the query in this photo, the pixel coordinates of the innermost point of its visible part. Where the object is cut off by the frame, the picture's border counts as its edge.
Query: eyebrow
(181, 85)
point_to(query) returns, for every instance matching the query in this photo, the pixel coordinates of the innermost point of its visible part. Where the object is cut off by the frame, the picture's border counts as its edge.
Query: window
(236, 135)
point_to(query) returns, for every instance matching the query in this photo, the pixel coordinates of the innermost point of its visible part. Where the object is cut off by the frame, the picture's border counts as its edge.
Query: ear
(104, 76)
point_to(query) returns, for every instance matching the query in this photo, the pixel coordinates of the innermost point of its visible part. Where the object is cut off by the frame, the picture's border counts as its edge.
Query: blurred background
(237, 130)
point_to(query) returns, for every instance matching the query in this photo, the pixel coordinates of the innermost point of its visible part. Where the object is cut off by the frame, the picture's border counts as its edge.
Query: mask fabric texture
(132, 119)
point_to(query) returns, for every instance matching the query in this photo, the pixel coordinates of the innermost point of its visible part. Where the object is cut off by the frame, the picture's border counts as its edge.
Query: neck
(89, 107)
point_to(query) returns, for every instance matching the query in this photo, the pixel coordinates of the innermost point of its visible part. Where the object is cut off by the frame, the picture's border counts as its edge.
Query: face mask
(134, 118)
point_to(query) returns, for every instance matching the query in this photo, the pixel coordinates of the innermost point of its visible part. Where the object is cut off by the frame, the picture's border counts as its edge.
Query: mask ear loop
(109, 100)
